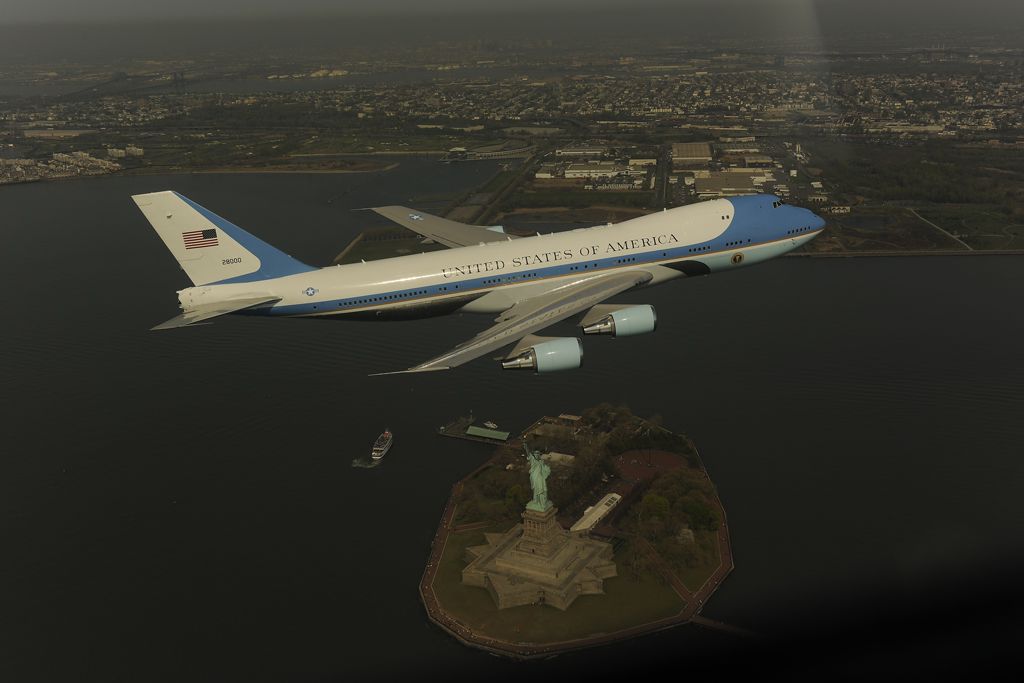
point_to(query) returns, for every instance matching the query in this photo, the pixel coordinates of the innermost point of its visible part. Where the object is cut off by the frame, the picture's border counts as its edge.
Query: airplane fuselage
(691, 240)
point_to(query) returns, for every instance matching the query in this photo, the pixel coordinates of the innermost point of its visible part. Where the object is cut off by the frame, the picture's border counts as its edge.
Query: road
(661, 195)
(947, 234)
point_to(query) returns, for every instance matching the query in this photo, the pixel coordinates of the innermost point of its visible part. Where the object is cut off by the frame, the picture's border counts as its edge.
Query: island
(582, 530)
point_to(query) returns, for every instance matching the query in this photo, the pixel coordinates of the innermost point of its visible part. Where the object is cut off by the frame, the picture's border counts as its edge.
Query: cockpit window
(776, 204)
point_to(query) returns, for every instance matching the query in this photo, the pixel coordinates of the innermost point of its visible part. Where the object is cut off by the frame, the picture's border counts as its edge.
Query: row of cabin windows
(796, 230)
(732, 244)
(704, 248)
(491, 281)
(508, 278)
(388, 297)
(421, 292)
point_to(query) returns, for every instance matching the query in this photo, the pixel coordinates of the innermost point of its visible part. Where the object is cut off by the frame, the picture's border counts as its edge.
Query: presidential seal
(737, 259)
(310, 291)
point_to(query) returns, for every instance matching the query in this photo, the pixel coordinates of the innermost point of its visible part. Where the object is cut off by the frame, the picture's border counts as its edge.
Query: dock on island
(466, 428)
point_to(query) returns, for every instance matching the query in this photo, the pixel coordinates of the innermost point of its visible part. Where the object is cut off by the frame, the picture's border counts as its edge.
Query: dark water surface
(181, 505)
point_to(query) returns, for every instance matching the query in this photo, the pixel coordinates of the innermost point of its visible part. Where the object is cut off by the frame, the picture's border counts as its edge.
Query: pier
(466, 428)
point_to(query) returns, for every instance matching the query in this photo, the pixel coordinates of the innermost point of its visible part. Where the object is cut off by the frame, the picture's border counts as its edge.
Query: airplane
(530, 283)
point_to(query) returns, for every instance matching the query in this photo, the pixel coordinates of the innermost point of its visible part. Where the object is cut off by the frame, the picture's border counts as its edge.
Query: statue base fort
(539, 562)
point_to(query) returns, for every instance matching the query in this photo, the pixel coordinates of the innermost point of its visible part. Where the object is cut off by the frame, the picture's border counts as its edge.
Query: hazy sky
(104, 30)
(905, 12)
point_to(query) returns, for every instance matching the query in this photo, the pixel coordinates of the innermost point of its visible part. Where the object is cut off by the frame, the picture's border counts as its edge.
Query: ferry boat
(382, 444)
(490, 425)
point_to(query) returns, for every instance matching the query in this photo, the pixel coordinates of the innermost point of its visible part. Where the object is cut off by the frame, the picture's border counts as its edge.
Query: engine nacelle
(625, 322)
(548, 356)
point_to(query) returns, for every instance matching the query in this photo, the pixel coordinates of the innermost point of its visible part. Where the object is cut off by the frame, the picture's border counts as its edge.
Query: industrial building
(582, 151)
(500, 150)
(691, 153)
(758, 161)
(738, 148)
(724, 185)
(547, 171)
(602, 169)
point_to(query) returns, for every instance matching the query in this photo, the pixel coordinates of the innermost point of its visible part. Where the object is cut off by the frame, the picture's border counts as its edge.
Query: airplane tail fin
(210, 249)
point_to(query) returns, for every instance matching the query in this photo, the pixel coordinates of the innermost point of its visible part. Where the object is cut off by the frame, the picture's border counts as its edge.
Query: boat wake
(366, 463)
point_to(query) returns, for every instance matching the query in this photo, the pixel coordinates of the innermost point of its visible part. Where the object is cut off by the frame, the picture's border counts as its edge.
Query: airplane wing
(533, 314)
(449, 233)
(208, 311)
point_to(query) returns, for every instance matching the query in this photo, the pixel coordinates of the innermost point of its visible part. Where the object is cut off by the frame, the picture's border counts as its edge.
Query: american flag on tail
(196, 239)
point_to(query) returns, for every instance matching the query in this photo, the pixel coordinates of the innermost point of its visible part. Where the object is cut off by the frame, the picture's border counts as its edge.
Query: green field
(880, 228)
(973, 192)
(982, 226)
(627, 603)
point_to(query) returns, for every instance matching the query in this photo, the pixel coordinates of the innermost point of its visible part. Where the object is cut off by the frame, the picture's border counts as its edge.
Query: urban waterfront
(182, 504)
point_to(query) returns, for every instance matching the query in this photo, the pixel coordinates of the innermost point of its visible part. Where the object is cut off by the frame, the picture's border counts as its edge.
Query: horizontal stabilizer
(201, 313)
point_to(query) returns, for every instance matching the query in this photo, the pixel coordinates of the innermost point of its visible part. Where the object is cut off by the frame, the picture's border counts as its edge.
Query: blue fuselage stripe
(482, 285)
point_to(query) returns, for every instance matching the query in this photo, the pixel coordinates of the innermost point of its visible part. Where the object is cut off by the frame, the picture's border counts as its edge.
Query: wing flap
(441, 230)
(534, 314)
(198, 314)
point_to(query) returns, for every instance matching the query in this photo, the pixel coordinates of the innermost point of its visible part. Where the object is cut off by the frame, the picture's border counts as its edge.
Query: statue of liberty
(539, 471)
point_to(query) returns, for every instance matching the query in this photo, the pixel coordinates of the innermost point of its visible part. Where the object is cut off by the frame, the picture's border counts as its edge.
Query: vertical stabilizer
(210, 249)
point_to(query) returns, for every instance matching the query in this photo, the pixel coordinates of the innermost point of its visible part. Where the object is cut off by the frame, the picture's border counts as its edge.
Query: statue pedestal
(542, 534)
(539, 562)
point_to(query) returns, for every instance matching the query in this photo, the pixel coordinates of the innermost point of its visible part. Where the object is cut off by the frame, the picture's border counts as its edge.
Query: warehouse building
(724, 185)
(691, 153)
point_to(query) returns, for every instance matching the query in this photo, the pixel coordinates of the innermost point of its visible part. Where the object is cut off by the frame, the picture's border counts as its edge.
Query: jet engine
(549, 355)
(620, 321)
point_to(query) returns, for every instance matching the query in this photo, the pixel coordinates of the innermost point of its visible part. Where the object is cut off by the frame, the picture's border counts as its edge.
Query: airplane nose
(817, 222)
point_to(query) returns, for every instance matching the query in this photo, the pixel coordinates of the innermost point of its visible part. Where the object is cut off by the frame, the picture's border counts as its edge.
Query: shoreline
(221, 170)
(908, 252)
(287, 171)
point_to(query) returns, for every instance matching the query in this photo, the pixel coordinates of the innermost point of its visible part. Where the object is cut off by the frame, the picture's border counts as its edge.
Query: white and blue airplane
(529, 282)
